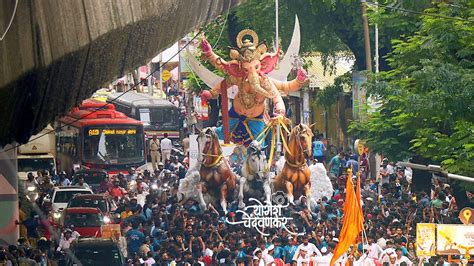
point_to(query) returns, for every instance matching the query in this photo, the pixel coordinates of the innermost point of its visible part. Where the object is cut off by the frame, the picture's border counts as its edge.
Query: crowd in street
(156, 229)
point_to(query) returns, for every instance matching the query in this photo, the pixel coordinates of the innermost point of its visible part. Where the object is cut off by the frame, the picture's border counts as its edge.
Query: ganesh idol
(250, 70)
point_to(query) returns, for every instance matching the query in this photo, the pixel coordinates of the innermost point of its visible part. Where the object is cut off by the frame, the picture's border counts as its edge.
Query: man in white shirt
(382, 242)
(65, 243)
(384, 257)
(30, 183)
(208, 252)
(323, 260)
(374, 249)
(309, 247)
(401, 258)
(301, 257)
(141, 196)
(258, 258)
(327, 255)
(408, 174)
(384, 177)
(166, 146)
(175, 164)
(268, 255)
(363, 260)
(390, 168)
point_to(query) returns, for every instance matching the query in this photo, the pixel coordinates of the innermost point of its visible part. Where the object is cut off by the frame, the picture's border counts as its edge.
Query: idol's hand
(279, 112)
(205, 95)
(301, 76)
(206, 46)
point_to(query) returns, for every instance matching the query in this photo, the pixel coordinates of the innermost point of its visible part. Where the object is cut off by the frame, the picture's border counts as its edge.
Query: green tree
(329, 26)
(427, 98)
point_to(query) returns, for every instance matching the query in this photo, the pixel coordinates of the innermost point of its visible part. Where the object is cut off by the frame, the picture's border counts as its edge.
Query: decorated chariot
(260, 77)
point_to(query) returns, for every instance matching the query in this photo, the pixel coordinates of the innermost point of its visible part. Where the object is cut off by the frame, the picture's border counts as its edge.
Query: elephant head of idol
(251, 63)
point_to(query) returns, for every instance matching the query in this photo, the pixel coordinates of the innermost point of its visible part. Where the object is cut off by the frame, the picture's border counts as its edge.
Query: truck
(38, 154)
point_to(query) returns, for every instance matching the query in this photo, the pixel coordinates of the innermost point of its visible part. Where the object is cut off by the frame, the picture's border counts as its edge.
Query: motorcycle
(164, 184)
(177, 151)
(32, 193)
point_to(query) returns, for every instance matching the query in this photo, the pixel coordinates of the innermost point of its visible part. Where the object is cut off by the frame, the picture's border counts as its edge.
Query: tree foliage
(329, 95)
(216, 35)
(330, 26)
(427, 98)
(327, 26)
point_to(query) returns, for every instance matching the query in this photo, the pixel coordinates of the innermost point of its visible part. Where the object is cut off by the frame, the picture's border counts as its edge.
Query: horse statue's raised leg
(202, 202)
(289, 192)
(242, 187)
(267, 190)
(224, 191)
(307, 193)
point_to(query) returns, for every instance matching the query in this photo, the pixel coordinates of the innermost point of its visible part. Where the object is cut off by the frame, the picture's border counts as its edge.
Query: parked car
(93, 177)
(61, 196)
(96, 252)
(99, 201)
(86, 221)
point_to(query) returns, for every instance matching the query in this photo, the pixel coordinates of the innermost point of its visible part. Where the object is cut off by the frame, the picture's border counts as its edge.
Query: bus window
(145, 115)
(165, 118)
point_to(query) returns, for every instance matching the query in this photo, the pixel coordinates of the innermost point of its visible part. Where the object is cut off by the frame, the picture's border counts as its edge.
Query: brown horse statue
(294, 178)
(217, 179)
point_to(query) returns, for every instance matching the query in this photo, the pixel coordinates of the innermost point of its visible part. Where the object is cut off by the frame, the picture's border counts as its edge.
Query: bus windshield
(113, 144)
(160, 118)
(35, 164)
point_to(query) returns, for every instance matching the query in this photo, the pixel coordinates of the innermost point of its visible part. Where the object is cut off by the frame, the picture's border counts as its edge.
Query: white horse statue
(321, 185)
(255, 180)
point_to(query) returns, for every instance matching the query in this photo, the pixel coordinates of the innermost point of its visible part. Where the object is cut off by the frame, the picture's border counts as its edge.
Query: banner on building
(426, 240)
(455, 239)
(358, 94)
(359, 145)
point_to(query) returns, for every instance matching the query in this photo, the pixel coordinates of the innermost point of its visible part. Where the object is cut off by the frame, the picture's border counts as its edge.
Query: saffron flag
(353, 220)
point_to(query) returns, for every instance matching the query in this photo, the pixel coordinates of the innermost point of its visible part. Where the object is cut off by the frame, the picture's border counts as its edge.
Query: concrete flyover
(57, 52)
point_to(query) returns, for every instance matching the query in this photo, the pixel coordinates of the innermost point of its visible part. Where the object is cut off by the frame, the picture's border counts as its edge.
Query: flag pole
(278, 127)
(364, 233)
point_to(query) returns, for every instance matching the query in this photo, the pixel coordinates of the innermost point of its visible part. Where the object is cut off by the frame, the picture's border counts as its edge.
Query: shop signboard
(426, 239)
(455, 239)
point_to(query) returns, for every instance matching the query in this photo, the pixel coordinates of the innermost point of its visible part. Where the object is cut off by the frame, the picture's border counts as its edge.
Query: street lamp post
(437, 169)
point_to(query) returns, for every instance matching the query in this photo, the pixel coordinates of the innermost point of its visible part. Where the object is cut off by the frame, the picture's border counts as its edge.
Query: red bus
(103, 139)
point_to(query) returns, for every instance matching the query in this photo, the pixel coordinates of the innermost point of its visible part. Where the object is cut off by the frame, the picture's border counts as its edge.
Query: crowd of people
(156, 229)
